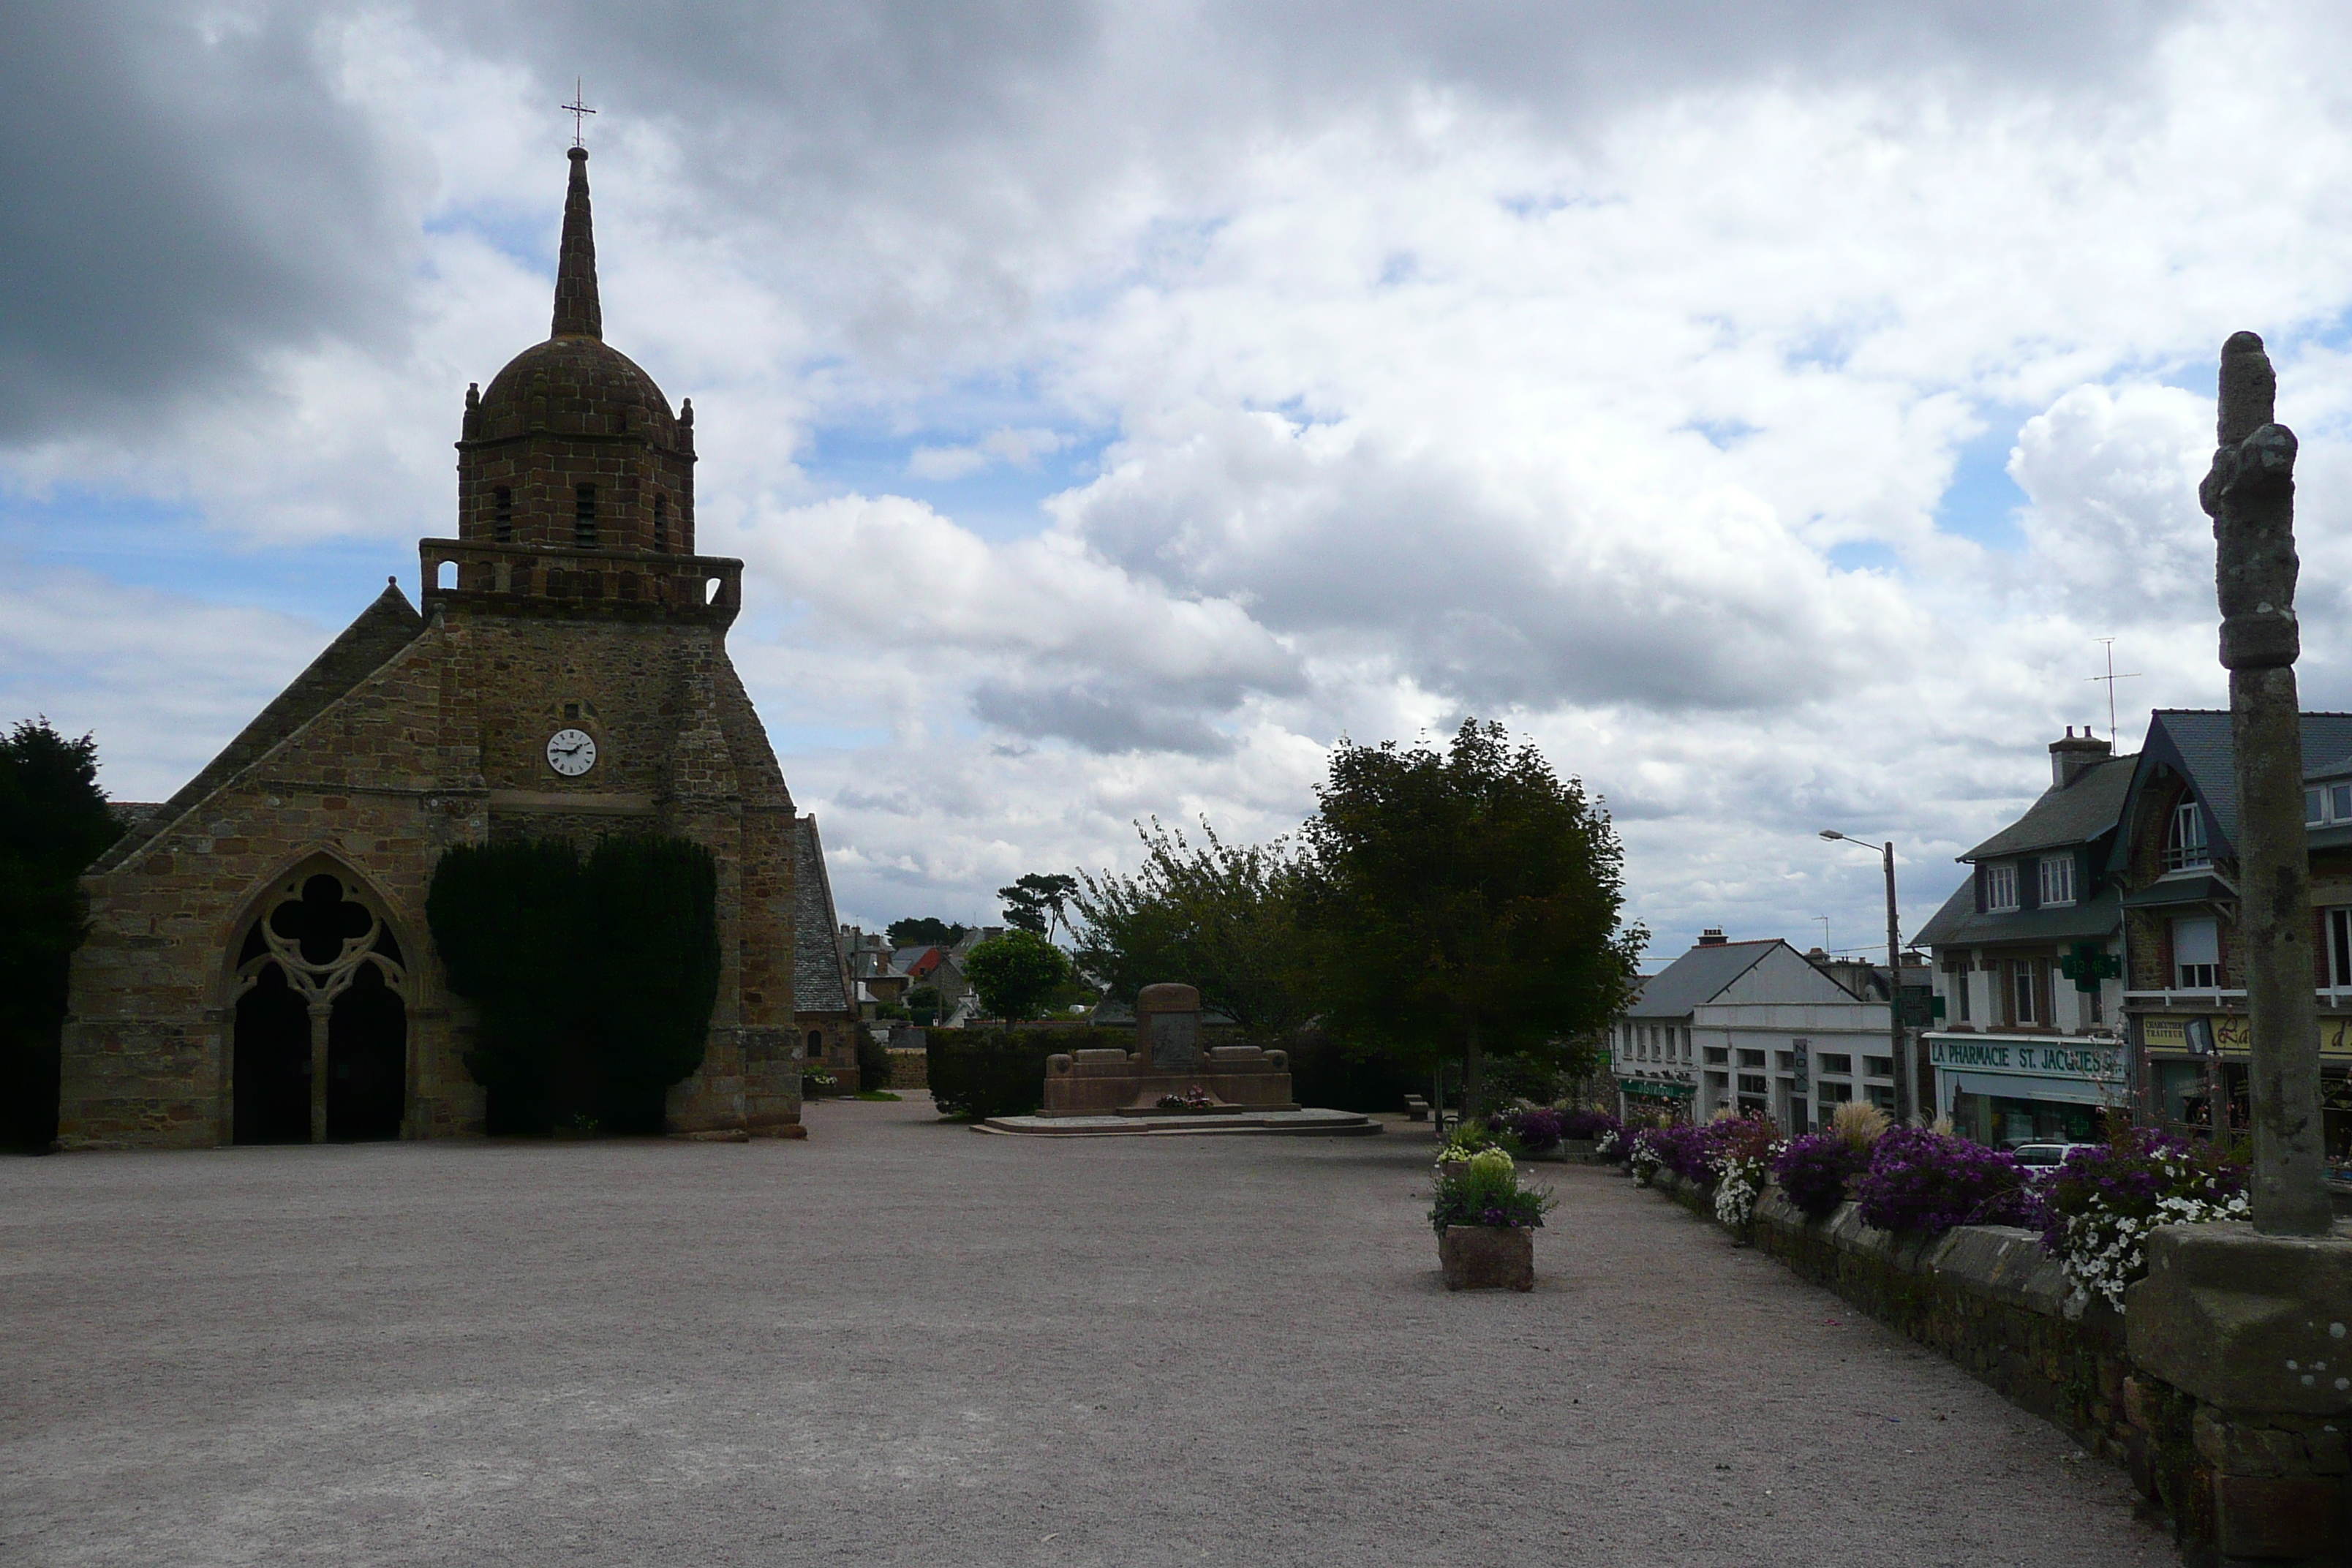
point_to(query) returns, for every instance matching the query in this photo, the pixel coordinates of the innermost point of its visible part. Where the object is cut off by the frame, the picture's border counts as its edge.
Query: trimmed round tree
(1015, 974)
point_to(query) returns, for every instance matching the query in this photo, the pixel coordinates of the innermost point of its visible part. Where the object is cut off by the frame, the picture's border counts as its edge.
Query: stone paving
(904, 1342)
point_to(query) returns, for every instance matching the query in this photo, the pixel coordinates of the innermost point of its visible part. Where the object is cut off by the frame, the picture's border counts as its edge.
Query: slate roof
(2195, 742)
(387, 625)
(910, 960)
(2090, 806)
(819, 978)
(1697, 976)
(1958, 923)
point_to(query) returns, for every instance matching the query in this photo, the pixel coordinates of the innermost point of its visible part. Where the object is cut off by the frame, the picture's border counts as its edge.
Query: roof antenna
(2110, 678)
(579, 110)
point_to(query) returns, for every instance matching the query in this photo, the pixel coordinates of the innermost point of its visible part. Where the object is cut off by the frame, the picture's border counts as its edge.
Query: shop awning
(2022, 1086)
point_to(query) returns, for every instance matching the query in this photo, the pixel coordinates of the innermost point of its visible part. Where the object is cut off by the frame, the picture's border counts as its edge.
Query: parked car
(2039, 1155)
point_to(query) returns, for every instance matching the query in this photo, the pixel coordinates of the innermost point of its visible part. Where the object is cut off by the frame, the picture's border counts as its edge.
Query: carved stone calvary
(2250, 495)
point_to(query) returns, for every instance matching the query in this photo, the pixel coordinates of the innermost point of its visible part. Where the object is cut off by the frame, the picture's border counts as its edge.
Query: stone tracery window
(320, 929)
(322, 984)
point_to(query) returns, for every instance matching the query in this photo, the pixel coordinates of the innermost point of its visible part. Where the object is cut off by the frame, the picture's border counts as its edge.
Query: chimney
(1712, 937)
(2070, 756)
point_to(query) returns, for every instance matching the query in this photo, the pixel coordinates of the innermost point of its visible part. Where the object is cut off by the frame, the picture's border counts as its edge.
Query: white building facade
(1754, 1026)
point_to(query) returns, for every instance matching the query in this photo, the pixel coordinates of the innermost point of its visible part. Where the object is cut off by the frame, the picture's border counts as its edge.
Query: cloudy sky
(1764, 405)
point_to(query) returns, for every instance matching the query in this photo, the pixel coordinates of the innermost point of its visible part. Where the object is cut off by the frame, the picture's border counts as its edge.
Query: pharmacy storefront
(2003, 1090)
(1653, 1100)
(2195, 1058)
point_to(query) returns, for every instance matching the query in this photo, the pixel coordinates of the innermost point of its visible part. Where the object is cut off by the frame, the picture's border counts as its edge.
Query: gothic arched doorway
(321, 1045)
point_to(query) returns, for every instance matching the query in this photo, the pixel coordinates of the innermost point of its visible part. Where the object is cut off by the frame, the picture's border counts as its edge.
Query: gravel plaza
(902, 1341)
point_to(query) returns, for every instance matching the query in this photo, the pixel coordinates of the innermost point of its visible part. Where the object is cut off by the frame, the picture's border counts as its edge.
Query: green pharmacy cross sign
(2088, 965)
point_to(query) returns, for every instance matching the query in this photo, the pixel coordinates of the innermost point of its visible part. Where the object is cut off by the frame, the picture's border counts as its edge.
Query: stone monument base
(1292, 1123)
(1119, 1083)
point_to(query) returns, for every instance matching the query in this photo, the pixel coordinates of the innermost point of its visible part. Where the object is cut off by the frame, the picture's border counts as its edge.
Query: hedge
(982, 1073)
(594, 982)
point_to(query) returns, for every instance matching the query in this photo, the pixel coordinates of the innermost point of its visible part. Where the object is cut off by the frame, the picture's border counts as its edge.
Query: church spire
(577, 313)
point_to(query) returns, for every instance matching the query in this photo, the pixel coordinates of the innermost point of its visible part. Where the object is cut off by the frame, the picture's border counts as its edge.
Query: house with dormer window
(2175, 864)
(2028, 964)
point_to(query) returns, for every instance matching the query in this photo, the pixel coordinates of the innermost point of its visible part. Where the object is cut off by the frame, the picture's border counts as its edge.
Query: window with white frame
(2339, 947)
(2196, 954)
(2326, 804)
(2024, 993)
(2001, 888)
(2184, 843)
(2057, 879)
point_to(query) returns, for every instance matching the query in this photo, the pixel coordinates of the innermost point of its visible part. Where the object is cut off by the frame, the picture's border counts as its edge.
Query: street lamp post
(1894, 983)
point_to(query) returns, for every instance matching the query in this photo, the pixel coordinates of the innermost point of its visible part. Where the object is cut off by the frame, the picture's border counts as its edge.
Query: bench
(1416, 1107)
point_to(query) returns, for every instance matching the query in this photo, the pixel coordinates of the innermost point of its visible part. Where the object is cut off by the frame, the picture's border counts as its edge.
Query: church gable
(387, 625)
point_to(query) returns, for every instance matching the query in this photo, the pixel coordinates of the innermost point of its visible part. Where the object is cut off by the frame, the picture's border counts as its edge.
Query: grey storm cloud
(174, 203)
(184, 191)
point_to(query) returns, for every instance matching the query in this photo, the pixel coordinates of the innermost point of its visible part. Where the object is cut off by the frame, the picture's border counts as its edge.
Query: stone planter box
(1488, 1258)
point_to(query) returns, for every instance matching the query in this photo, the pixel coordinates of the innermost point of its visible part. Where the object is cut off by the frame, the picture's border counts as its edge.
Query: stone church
(259, 968)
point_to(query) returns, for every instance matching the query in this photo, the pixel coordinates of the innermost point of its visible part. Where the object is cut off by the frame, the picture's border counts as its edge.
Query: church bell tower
(575, 482)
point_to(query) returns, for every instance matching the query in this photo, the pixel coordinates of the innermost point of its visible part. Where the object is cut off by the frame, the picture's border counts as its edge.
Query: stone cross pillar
(2249, 494)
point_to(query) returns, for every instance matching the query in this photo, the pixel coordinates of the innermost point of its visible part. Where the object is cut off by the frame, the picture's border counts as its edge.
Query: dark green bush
(650, 947)
(594, 984)
(982, 1073)
(54, 821)
(873, 1062)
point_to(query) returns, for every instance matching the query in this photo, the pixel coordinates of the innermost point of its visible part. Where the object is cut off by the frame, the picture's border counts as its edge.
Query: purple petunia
(1923, 1181)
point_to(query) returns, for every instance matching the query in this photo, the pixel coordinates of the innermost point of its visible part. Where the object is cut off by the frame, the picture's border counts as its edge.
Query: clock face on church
(571, 752)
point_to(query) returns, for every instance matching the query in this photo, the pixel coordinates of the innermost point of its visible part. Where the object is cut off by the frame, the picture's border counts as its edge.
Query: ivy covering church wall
(594, 979)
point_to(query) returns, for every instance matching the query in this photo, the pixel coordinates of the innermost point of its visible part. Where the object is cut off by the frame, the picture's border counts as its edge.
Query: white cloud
(1020, 449)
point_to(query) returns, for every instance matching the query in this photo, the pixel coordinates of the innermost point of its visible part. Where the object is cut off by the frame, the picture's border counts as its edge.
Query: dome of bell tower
(573, 445)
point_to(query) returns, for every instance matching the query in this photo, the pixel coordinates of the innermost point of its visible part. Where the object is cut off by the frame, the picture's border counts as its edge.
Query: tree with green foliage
(1221, 917)
(1467, 901)
(924, 931)
(594, 981)
(54, 821)
(1015, 974)
(923, 1004)
(1036, 902)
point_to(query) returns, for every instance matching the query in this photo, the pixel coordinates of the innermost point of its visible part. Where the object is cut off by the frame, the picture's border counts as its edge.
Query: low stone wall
(910, 1068)
(1988, 1298)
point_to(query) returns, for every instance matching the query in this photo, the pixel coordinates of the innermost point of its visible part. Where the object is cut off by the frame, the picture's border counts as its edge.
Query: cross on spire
(579, 110)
